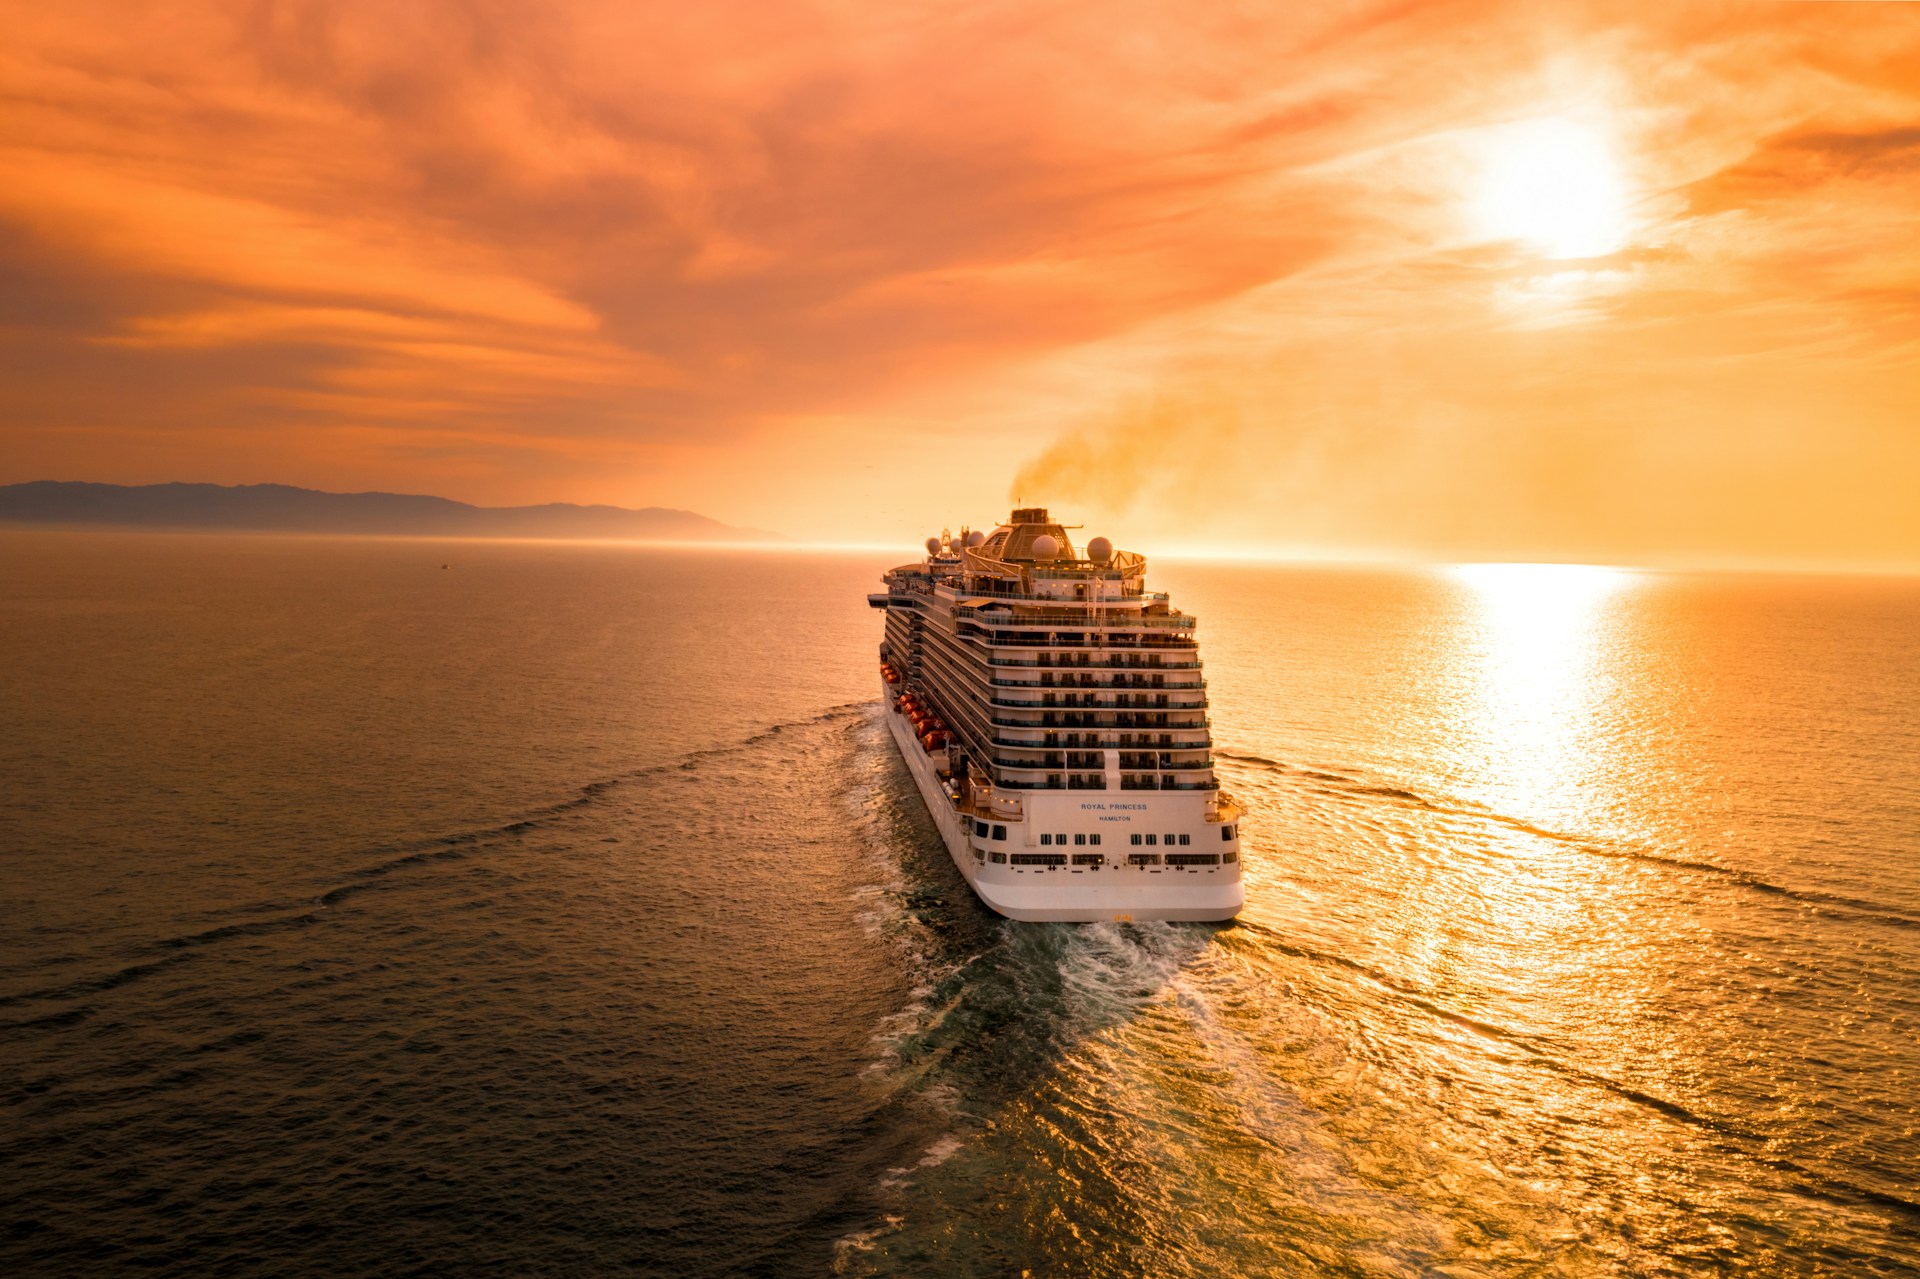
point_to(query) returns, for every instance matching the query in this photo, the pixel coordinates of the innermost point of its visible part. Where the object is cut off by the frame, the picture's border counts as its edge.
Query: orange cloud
(691, 255)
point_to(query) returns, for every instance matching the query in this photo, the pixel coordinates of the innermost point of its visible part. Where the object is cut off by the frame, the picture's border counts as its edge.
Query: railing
(1056, 766)
(1109, 665)
(1124, 609)
(1167, 783)
(1116, 632)
(998, 593)
(1088, 702)
(1121, 719)
(1094, 783)
(1131, 636)
(1096, 742)
(1135, 685)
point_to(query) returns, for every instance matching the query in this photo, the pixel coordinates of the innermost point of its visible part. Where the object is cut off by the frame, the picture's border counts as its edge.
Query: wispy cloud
(762, 257)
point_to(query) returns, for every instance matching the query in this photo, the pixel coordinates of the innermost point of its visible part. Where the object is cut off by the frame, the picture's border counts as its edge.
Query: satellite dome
(1045, 547)
(976, 538)
(933, 546)
(1100, 549)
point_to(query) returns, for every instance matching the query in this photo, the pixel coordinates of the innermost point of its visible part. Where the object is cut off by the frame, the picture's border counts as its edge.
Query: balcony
(1100, 643)
(1097, 783)
(998, 657)
(1055, 763)
(1119, 683)
(1114, 663)
(1097, 741)
(1171, 719)
(1156, 700)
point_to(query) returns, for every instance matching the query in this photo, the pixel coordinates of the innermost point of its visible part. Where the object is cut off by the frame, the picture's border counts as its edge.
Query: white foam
(940, 1151)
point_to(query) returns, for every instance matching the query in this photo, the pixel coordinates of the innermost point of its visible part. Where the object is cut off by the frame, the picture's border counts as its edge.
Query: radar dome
(933, 546)
(1045, 547)
(1100, 549)
(976, 538)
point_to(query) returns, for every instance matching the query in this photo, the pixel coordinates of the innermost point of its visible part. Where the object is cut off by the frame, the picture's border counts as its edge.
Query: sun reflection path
(1532, 670)
(1508, 921)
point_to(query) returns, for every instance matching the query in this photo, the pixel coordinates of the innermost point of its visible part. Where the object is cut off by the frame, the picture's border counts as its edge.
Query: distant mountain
(282, 509)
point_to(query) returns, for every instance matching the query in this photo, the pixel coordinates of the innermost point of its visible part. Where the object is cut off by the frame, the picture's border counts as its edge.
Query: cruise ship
(1053, 714)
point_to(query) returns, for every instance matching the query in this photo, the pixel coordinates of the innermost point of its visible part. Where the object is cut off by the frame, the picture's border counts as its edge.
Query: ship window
(1192, 859)
(1136, 839)
(980, 829)
(1046, 839)
(1153, 839)
(999, 832)
(1039, 859)
(1060, 839)
(1094, 838)
(1143, 859)
(998, 858)
(1226, 832)
(1185, 839)
(1229, 858)
(1169, 839)
(1079, 839)
(1089, 859)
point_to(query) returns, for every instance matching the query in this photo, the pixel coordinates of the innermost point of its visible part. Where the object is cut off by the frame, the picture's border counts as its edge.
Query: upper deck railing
(1113, 662)
(1166, 719)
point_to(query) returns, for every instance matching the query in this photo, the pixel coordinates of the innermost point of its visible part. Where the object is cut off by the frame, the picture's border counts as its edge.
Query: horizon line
(1257, 556)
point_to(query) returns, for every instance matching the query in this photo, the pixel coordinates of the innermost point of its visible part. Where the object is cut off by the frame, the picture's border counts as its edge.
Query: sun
(1554, 184)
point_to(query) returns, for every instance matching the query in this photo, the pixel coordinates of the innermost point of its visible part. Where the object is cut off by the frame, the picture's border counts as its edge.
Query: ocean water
(410, 907)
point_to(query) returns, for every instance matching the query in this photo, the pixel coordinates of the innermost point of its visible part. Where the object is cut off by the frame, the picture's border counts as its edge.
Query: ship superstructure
(1053, 714)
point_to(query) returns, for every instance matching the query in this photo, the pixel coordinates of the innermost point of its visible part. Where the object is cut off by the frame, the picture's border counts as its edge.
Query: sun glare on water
(1554, 184)
(1530, 658)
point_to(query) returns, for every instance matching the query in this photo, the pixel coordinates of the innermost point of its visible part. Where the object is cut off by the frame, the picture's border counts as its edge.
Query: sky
(1592, 283)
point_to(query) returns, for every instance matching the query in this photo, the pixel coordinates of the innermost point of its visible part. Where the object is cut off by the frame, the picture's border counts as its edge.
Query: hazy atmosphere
(1131, 640)
(1583, 282)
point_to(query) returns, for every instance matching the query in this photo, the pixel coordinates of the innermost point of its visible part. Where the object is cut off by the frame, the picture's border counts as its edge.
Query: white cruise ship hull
(1070, 893)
